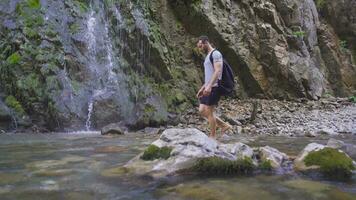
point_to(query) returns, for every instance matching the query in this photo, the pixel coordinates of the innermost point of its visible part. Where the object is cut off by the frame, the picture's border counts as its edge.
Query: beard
(206, 50)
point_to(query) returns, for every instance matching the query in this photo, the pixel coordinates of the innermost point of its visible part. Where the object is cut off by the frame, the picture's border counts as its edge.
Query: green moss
(265, 165)
(14, 58)
(75, 86)
(320, 3)
(82, 6)
(299, 33)
(218, 166)
(153, 152)
(74, 28)
(353, 99)
(35, 4)
(333, 164)
(12, 102)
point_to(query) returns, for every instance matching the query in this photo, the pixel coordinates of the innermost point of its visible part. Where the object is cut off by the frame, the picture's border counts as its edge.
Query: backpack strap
(211, 58)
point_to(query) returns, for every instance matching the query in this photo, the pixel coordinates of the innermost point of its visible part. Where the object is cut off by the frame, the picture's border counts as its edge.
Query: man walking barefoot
(208, 94)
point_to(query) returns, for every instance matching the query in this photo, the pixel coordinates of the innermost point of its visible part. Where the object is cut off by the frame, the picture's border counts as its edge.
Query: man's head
(203, 44)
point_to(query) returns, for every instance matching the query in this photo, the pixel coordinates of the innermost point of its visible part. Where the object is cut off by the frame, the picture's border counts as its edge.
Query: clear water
(71, 166)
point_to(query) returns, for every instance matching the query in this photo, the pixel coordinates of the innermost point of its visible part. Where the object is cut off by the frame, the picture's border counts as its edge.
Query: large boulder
(330, 162)
(181, 149)
(299, 161)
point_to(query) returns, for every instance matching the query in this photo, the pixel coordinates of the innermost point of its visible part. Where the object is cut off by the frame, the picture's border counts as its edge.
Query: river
(73, 165)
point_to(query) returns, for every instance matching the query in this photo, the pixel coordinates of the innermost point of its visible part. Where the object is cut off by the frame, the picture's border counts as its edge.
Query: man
(208, 94)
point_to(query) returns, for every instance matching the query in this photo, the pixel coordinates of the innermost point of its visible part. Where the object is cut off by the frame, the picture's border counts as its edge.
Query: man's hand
(207, 90)
(200, 92)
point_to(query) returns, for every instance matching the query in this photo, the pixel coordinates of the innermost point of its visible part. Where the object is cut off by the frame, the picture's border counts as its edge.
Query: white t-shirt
(209, 68)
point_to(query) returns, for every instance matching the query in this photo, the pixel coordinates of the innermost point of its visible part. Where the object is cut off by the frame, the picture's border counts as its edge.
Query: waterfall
(90, 110)
(101, 67)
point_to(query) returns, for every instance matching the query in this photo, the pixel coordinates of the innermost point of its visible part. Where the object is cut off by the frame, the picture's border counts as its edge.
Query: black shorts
(212, 99)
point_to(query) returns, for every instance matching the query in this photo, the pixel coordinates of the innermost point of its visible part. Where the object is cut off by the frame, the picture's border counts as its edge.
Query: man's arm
(217, 71)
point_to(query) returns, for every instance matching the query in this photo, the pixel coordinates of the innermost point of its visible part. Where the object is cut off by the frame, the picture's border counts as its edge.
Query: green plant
(333, 164)
(299, 33)
(14, 58)
(343, 45)
(265, 165)
(353, 99)
(35, 4)
(218, 166)
(153, 152)
(320, 4)
(12, 102)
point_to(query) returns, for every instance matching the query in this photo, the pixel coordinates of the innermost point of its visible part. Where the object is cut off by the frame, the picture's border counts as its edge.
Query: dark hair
(204, 39)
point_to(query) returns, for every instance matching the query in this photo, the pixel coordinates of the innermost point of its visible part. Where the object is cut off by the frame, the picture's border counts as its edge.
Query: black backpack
(227, 83)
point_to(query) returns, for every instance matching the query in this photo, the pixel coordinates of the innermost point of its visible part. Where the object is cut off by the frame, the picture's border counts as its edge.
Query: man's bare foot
(212, 136)
(225, 129)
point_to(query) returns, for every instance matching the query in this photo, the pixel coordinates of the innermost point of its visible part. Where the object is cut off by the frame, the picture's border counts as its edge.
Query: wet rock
(349, 149)
(115, 172)
(188, 146)
(299, 161)
(271, 154)
(332, 163)
(114, 128)
(152, 130)
(327, 131)
(336, 144)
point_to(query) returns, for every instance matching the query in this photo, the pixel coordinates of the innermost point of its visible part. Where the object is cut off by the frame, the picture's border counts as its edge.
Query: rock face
(189, 145)
(85, 64)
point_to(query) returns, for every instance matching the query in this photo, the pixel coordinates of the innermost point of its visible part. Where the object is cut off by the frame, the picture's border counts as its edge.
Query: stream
(71, 166)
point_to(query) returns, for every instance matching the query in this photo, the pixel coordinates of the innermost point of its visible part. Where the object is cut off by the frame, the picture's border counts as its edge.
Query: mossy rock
(333, 163)
(220, 166)
(153, 152)
(265, 165)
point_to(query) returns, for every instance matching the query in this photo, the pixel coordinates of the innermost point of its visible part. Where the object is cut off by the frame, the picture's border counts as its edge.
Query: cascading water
(90, 110)
(101, 67)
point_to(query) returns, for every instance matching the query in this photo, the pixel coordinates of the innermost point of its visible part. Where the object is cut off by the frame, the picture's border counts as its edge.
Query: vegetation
(219, 166)
(299, 33)
(14, 58)
(36, 4)
(353, 99)
(333, 164)
(14, 104)
(265, 165)
(153, 152)
(343, 45)
(320, 3)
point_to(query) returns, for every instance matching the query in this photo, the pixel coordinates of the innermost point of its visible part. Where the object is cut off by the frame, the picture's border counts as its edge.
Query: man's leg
(223, 125)
(212, 121)
(203, 110)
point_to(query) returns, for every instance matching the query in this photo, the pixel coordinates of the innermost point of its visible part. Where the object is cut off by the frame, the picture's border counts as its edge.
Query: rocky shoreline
(300, 117)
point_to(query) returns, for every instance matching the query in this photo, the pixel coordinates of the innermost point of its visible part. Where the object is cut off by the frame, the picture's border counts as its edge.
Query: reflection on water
(88, 166)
